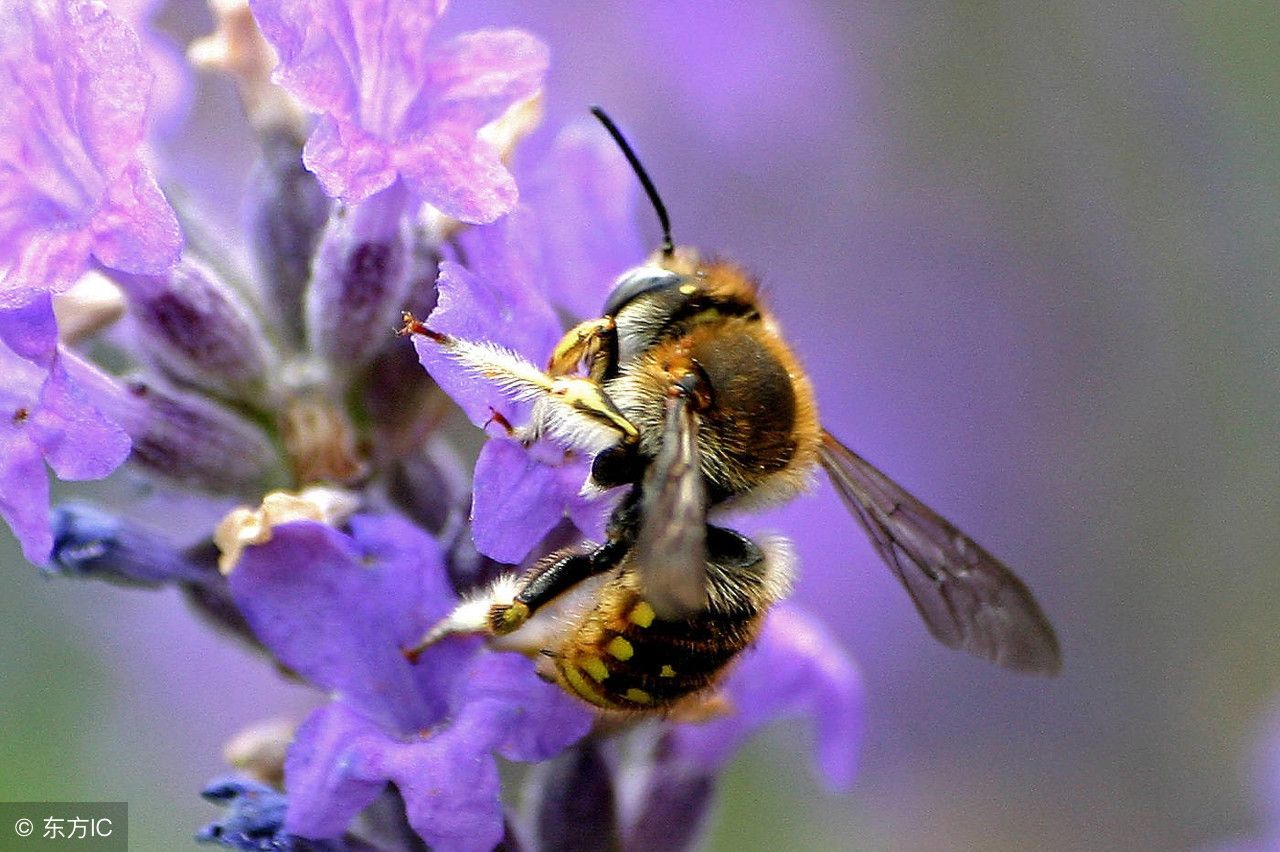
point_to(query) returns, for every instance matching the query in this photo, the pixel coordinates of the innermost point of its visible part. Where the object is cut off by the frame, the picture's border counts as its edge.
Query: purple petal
(327, 770)
(171, 94)
(24, 494)
(350, 163)
(474, 78)
(135, 229)
(516, 500)
(360, 61)
(525, 718)
(341, 759)
(462, 176)
(392, 105)
(519, 495)
(338, 610)
(794, 667)
(44, 415)
(70, 127)
(77, 441)
(510, 312)
(584, 197)
(30, 330)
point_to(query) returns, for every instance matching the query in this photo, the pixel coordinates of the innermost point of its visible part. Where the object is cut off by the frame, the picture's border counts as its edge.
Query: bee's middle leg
(548, 579)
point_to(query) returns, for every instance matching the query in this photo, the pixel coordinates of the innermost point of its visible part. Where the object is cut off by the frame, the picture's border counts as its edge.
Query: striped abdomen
(621, 657)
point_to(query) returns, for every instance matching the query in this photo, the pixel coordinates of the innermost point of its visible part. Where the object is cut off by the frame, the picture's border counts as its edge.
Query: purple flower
(337, 610)
(520, 493)
(44, 417)
(561, 250)
(393, 106)
(171, 94)
(72, 188)
(73, 191)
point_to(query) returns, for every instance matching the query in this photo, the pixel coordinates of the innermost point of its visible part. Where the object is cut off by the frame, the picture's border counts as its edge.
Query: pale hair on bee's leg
(470, 616)
(572, 411)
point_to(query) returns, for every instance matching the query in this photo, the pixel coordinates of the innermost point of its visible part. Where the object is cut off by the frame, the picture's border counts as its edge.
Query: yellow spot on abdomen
(595, 667)
(642, 614)
(638, 696)
(579, 686)
(620, 648)
(667, 671)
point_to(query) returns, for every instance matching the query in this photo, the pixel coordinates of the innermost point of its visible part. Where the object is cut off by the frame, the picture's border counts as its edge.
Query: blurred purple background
(1028, 256)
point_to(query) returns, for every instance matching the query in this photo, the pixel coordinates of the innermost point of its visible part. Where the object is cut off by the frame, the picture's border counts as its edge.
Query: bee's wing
(968, 598)
(670, 554)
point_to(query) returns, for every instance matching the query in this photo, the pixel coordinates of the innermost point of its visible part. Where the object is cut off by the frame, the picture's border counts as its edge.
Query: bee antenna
(668, 247)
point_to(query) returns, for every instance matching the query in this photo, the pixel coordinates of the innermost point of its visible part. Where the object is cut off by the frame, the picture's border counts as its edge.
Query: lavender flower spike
(391, 106)
(71, 184)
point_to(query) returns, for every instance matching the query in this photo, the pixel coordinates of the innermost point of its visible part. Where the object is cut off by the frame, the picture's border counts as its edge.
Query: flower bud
(195, 328)
(360, 280)
(183, 437)
(573, 798)
(88, 542)
(286, 212)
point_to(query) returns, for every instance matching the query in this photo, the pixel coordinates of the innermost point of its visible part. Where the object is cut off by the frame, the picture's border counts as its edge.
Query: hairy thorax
(758, 432)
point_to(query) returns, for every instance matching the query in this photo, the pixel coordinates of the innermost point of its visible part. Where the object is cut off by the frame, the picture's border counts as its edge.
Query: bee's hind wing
(968, 598)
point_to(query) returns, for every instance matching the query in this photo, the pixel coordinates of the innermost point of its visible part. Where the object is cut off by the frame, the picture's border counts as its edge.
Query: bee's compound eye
(637, 282)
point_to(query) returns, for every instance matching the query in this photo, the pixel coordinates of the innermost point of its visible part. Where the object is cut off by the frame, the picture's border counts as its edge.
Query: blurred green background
(1028, 251)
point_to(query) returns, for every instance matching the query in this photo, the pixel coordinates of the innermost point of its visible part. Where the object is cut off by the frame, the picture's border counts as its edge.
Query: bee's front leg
(573, 411)
(593, 342)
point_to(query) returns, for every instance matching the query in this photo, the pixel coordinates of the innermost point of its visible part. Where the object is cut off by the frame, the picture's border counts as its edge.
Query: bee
(685, 393)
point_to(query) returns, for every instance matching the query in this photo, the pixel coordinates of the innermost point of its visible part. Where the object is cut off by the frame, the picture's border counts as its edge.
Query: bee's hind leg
(507, 604)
